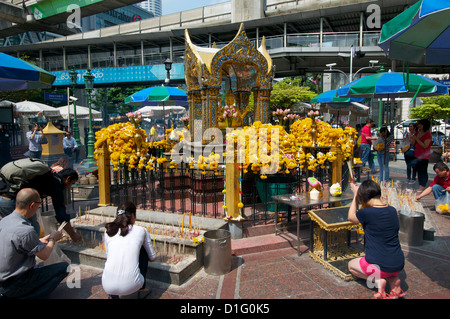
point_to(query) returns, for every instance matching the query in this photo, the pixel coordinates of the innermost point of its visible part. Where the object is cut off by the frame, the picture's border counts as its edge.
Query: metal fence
(184, 189)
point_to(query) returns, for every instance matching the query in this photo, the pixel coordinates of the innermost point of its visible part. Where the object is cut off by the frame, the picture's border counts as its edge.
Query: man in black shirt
(48, 184)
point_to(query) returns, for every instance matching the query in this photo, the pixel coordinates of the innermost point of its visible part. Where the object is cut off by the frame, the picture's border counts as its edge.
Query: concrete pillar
(244, 10)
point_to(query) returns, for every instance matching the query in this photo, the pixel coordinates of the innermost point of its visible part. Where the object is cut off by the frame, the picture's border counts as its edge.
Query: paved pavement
(259, 273)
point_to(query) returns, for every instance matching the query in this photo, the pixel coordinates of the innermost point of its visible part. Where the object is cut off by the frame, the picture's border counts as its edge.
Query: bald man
(19, 245)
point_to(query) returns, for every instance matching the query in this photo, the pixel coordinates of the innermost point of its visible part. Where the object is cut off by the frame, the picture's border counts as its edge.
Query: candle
(189, 221)
(182, 224)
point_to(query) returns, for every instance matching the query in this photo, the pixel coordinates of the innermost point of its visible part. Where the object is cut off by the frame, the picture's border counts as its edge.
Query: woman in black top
(384, 258)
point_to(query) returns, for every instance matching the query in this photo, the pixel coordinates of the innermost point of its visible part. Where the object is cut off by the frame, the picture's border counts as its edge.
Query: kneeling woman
(128, 251)
(382, 246)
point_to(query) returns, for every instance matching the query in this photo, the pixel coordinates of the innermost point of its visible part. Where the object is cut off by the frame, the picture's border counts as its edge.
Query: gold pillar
(195, 111)
(262, 102)
(337, 164)
(104, 175)
(232, 175)
(210, 95)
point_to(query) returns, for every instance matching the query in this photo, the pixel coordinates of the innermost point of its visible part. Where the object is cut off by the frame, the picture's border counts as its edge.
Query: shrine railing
(184, 189)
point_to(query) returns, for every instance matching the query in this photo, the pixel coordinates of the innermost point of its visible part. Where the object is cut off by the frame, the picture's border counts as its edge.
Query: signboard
(55, 97)
(45, 9)
(123, 74)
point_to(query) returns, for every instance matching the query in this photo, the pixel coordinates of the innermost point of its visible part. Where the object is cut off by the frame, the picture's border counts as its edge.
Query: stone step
(158, 271)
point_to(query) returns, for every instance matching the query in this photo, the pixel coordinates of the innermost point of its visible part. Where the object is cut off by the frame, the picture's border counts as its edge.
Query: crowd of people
(129, 247)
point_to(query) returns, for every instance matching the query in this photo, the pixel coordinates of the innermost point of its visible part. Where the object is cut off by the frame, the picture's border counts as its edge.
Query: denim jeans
(36, 282)
(367, 156)
(383, 162)
(438, 191)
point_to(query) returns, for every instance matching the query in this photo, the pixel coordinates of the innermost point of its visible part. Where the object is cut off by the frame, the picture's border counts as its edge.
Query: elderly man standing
(70, 146)
(19, 245)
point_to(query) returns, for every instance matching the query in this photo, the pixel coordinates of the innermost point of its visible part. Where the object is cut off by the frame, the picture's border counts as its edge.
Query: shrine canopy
(236, 70)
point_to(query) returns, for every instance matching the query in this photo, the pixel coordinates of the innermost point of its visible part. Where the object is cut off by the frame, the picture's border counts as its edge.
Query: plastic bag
(48, 224)
(405, 145)
(443, 203)
(379, 144)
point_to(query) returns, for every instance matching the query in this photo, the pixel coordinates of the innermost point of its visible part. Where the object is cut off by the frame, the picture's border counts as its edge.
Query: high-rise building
(153, 6)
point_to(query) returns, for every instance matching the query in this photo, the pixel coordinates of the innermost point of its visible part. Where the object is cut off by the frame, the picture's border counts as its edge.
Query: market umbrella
(332, 97)
(160, 111)
(354, 107)
(82, 112)
(423, 28)
(17, 74)
(392, 85)
(156, 95)
(34, 109)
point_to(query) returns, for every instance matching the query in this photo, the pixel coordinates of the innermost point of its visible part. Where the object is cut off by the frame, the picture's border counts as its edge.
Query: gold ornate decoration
(245, 68)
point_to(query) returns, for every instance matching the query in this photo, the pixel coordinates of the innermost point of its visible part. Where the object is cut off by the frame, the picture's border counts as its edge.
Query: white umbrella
(35, 109)
(158, 111)
(82, 112)
(354, 107)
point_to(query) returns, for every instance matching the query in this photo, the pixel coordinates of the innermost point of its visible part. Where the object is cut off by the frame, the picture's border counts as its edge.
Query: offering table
(330, 241)
(302, 201)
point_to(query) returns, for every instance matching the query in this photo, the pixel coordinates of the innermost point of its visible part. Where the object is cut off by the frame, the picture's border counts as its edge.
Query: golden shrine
(244, 68)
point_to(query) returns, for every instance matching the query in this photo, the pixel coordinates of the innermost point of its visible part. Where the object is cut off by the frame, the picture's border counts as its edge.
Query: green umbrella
(332, 97)
(392, 85)
(423, 28)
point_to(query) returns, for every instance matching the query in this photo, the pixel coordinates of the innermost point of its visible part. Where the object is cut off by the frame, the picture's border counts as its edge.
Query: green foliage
(436, 107)
(114, 98)
(288, 91)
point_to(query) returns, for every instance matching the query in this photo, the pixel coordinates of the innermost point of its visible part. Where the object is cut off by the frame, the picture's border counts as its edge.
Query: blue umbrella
(332, 97)
(16, 74)
(392, 85)
(423, 28)
(156, 94)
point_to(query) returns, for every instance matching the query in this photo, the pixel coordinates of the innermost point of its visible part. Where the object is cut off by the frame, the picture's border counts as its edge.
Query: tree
(433, 108)
(114, 99)
(288, 91)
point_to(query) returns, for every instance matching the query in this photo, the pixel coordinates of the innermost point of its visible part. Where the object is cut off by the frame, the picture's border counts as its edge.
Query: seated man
(440, 184)
(70, 146)
(20, 244)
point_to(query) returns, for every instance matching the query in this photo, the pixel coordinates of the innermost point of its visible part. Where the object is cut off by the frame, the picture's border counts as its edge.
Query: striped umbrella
(156, 94)
(423, 28)
(332, 97)
(392, 85)
(17, 74)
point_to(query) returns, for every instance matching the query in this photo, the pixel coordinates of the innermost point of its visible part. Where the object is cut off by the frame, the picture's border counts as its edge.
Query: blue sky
(172, 6)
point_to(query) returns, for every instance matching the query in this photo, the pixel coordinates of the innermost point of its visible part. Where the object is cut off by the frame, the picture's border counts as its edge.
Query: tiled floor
(282, 274)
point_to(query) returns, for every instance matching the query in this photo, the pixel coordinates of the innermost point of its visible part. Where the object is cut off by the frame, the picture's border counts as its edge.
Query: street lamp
(168, 66)
(89, 85)
(73, 82)
(351, 77)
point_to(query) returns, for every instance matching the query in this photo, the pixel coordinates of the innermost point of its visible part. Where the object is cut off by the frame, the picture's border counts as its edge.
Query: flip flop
(383, 295)
(399, 295)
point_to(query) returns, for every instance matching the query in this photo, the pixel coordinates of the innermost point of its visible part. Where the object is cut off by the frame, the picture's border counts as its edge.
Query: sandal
(383, 295)
(398, 295)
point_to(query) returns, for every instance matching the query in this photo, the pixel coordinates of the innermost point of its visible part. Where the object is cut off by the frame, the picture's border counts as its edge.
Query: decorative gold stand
(331, 242)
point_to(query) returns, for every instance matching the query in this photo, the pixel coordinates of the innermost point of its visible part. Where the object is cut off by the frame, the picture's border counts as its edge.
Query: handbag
(43, 140)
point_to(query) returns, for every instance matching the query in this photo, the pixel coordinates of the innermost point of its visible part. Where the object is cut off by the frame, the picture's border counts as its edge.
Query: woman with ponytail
(128, 250)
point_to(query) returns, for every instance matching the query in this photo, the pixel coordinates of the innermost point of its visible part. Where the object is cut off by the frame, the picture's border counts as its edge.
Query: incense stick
(62, 226)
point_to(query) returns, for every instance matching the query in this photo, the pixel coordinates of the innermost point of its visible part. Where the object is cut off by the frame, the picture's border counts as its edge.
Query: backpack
(16, 174)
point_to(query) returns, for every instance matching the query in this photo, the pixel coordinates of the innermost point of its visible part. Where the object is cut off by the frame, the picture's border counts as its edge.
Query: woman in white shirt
(128, 250)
